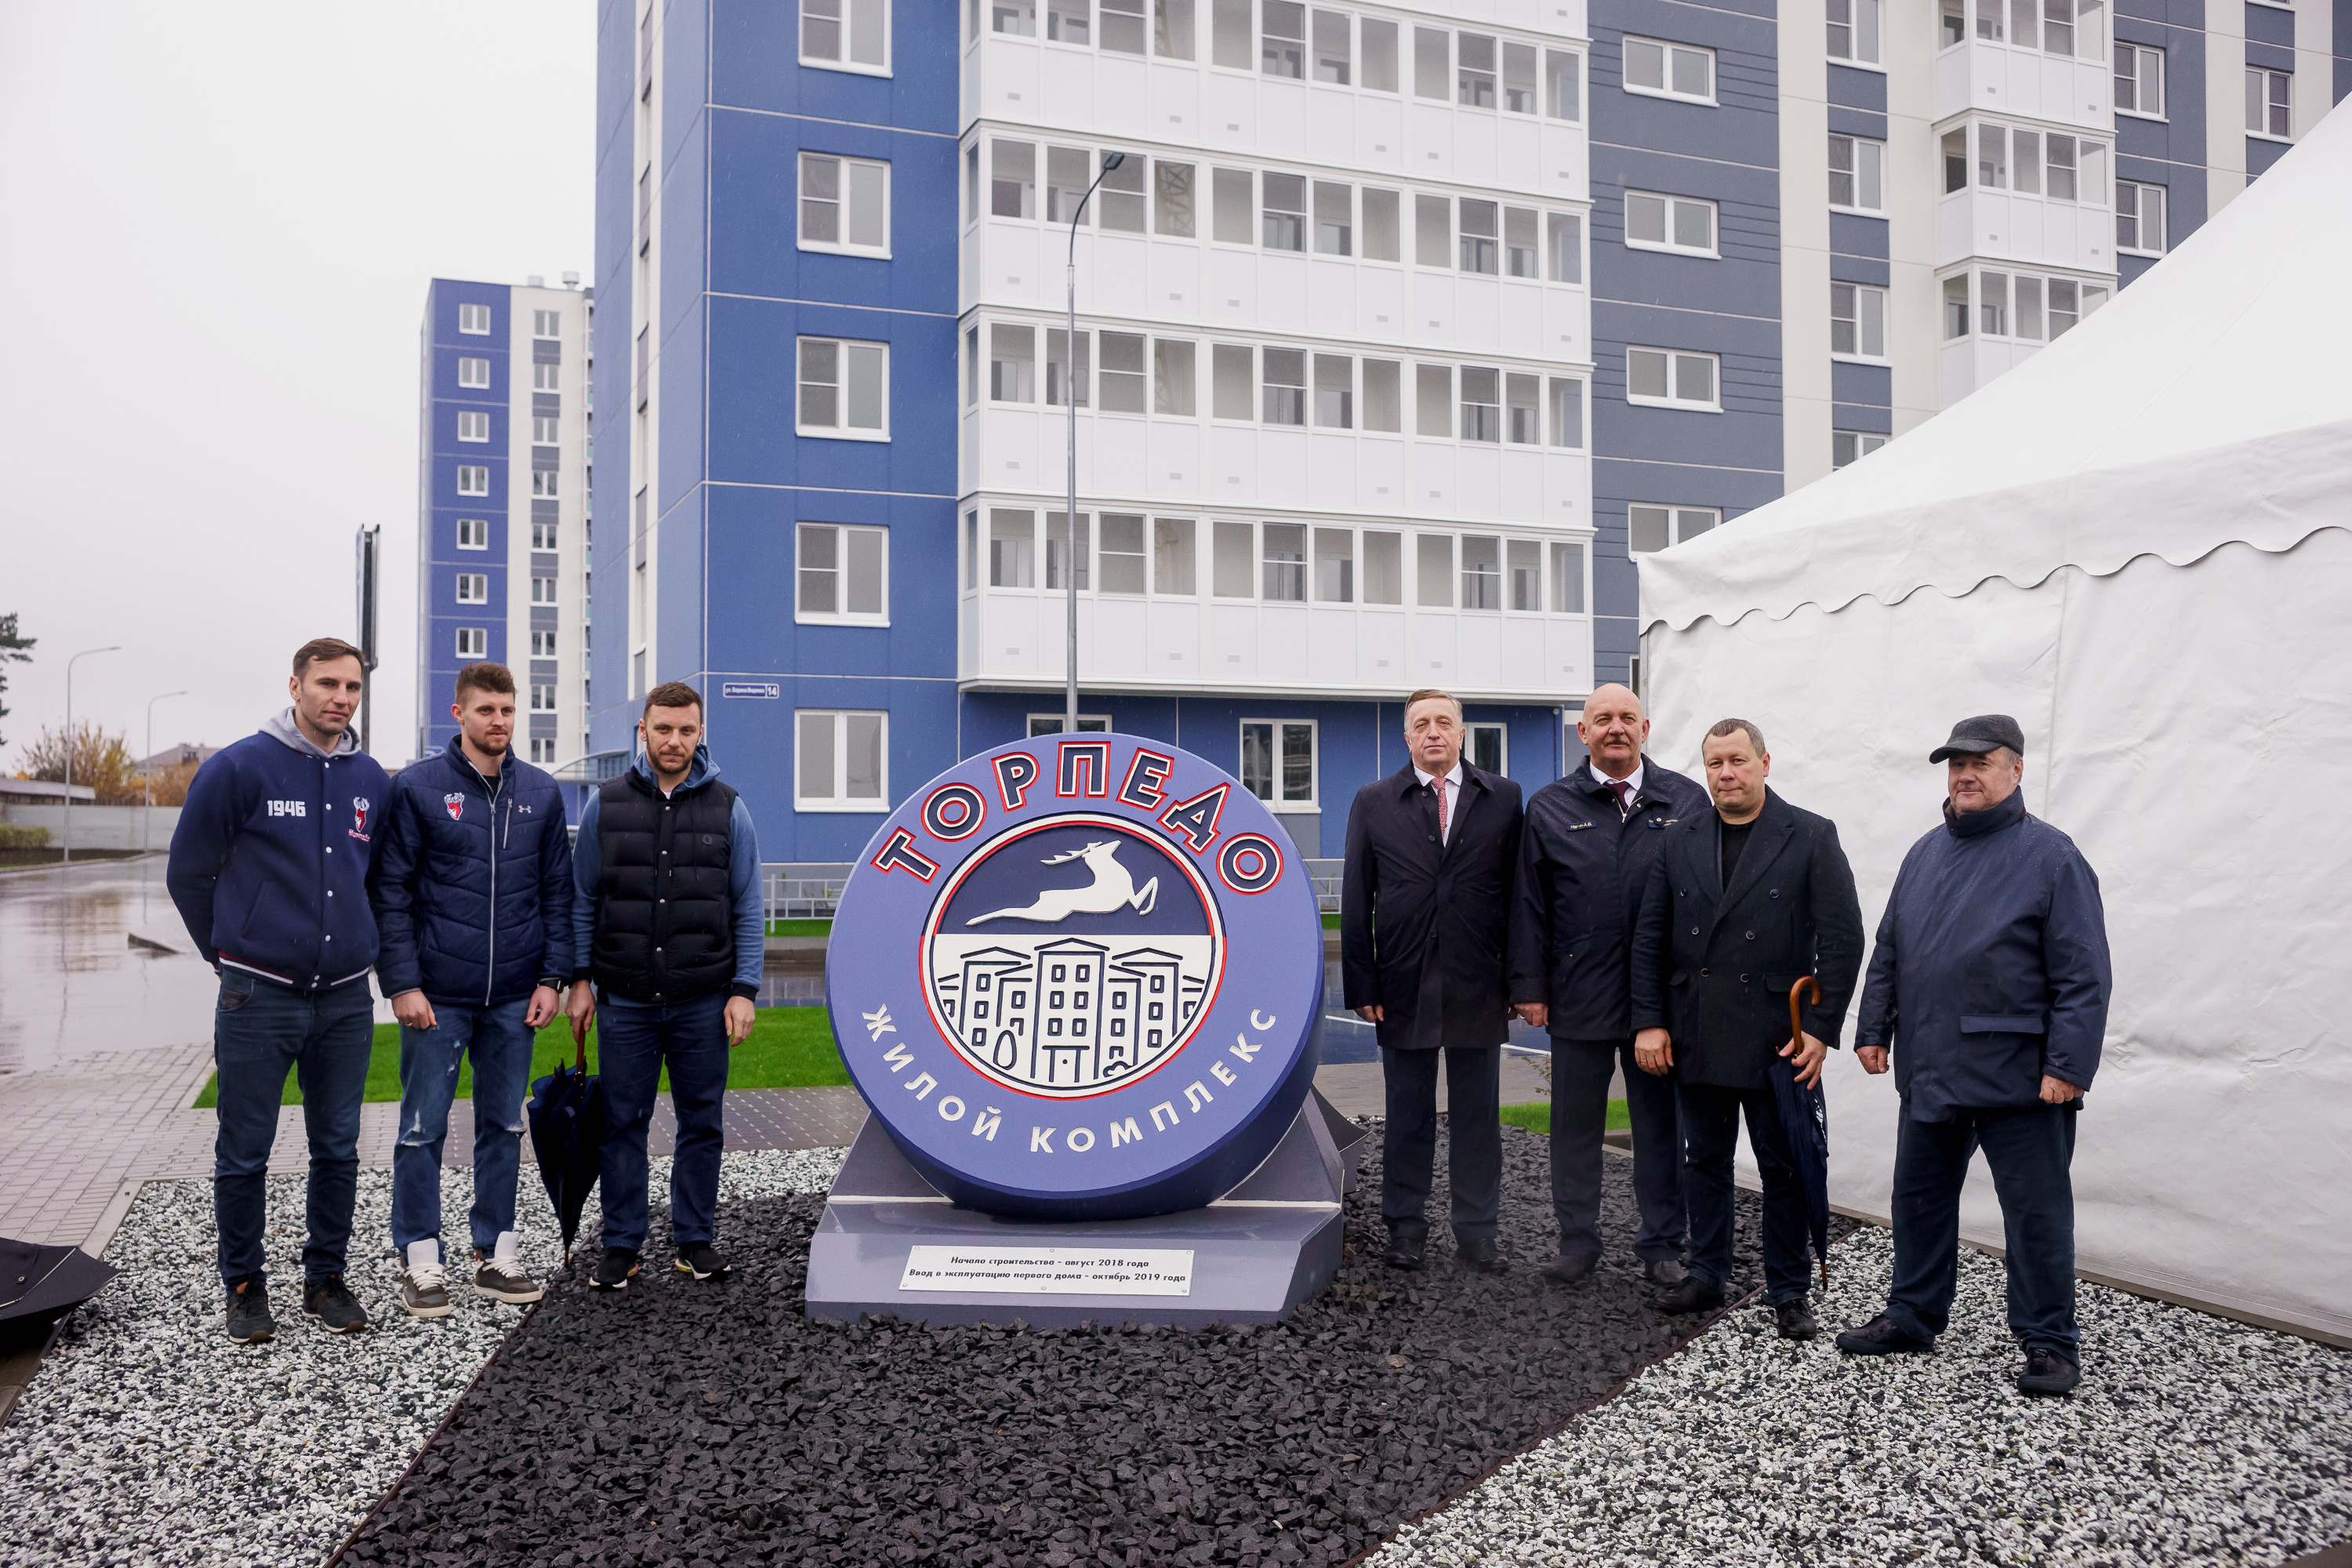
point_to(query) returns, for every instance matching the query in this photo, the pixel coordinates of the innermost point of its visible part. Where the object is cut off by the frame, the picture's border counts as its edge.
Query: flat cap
(1985, 732)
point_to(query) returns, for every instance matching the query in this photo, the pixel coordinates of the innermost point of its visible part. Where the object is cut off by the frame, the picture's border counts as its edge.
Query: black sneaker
(1404, 1252)
(1795, 1320)
(1881, 1337)
(249, 1322)
(1692, 1295)
(2047, 1372)
(618, 1267)
(337, 1309)
(701, 1259)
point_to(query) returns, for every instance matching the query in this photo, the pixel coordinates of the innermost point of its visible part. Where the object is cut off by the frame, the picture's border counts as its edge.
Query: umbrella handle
(1805, 983)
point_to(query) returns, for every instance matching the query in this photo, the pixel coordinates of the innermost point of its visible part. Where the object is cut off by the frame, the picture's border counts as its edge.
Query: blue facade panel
(440, 559)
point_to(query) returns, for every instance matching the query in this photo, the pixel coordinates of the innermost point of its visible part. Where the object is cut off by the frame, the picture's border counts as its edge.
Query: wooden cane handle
(1805, 983)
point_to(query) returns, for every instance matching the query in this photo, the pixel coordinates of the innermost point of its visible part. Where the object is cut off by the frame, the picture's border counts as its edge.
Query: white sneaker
(423, 1283)
(501, 1275)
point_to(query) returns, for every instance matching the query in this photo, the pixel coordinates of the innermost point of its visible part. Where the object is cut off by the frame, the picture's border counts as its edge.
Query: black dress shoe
(1566, 1269)
(2047, 1372)
(1403, 1252)
(1480, 1252)
(1795, 1320)
(1665, 1271)
(1692, 1295)
(1881, 1337)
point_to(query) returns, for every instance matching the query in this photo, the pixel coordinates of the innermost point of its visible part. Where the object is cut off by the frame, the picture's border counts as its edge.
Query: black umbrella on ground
(1805, 1119)
(38, 1285)
(567, 1126)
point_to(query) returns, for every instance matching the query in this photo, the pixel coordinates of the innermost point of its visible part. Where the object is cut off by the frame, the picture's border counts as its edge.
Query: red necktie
(1438, 786)
(1624, 791)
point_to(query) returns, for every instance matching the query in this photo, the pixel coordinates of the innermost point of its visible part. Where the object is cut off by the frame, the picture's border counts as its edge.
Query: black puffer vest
(664, 920)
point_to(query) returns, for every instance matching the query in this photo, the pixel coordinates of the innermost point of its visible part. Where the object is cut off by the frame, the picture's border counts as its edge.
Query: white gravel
(2192, 1440)
(148, 1438)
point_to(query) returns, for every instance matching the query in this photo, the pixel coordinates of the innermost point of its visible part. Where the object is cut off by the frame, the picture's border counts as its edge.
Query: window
(843, 574)
(1857, 320)
(1564, 236)
(1171, 197)
(473, 533)
(1856, 173)
(1474, 75)
(1335, 397)
(543, 643)
(845, 205)
(1119, 555)
(473, 480)
(1335, 229)
(542, 485)
(1229, 564)
(1060, 548)
(2140, 217)
(1172, 556)
(1122, 379)
(546, 429)
(1650, 528)
(1379, 45)
(1063, 369)
(1668, 71)
(1284, 401)
(1173, 386)
(1845, 445)
(1068, 171)
(841, 763)
(848, 35)
(1383, 406)
(473, 372)
(1284, 225)
(1229, 33)
(542, 590)
(1383, 581)
(2140, 81)
(1433, 571)
(1523, 575)
(546, 377)
(542, 696)
(1954, 28)
(1662, 376)
(1482, 404)
(543, 535)
(1011, 549)
(1230, 190)
(1432, 226)
(1563, 84)
(474, 319)
(1053, 723)
(1434, 400)
(1331, 54)
(1122, 27)
(1430, 53)
(1229, 371)
(1012, 363)
(845, 389)
(2270, 104)
(1282, 44)
(1519, 79)
(1482, 572)
(1017, 18)
(1285, 562)
(473, 426)
(1956, 307)
(1956, 160)
(546, 323)
(473, 642)
(1678, 224)
(1335, 567)
(1567, 412)
(1012, 179)
(473, 587)
(1567, 579)
(1854, 30)
(1484, 747)
(1519, 257)
(1067, 21)
(1278, 761)
(1118, 205)
(1480, 252)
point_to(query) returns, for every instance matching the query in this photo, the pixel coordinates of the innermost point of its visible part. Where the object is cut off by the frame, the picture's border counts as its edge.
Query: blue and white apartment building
(1402, 330)
(503, 457)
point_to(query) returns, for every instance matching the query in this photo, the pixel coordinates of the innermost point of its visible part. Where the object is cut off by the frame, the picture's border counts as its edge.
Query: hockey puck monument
(1077, 981)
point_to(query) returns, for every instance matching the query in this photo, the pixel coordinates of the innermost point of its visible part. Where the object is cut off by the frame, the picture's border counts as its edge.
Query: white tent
(2139, 544)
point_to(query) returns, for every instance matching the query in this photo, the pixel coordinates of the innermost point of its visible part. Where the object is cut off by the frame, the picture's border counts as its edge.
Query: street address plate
(1050, 1270)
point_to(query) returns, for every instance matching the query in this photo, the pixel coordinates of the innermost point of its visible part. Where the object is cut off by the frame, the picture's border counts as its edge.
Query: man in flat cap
(1989, 984)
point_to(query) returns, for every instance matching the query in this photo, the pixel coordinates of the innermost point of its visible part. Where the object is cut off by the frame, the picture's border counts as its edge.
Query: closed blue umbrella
(1805, 1120)
(567, 1128)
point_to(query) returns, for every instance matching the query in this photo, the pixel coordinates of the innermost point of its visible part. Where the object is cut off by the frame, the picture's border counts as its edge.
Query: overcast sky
(224, 218)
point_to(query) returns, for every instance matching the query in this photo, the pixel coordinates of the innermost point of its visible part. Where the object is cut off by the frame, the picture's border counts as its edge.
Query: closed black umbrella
(1805, 1119)
(567, 1126)
(38, 1285)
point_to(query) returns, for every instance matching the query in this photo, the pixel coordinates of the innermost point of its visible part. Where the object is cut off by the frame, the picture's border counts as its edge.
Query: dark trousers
(2031, 1151)
(259, 1030)
(1710, 1135)
(1580, 1071)
(1474, 1085)
(636, 1041)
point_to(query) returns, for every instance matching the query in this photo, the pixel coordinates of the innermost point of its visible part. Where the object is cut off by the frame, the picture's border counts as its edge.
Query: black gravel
(684, 1424)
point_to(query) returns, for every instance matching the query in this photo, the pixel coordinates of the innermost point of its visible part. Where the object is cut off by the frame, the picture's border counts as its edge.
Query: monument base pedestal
(1249, 1258)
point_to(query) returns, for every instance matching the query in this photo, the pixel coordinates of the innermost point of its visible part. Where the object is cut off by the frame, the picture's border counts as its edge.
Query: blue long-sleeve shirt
(751, 916)
(1990, 968)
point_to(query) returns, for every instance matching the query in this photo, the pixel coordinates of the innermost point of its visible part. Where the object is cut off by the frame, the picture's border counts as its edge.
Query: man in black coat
(1584, 860)
(1745, 900)
(1990, 980)
(1424, 917)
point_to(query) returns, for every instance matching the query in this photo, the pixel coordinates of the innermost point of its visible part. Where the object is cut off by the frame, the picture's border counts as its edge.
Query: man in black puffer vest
(669, 925)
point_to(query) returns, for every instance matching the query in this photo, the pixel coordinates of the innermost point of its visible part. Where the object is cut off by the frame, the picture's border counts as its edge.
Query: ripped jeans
(499, 1043)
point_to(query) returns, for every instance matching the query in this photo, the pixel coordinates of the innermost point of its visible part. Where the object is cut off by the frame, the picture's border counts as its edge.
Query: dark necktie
(1624, 794)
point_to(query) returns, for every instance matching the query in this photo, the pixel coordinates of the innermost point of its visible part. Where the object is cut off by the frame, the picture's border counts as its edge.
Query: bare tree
(99, 760)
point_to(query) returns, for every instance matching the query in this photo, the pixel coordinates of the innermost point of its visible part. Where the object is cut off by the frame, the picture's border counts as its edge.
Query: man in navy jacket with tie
(1423, 920)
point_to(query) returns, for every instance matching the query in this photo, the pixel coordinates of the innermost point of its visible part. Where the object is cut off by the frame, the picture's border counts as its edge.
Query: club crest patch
(360, 806)
(457, 805)
(1079, 978)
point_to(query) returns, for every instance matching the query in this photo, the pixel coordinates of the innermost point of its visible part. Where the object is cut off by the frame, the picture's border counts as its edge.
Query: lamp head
(1112, 161)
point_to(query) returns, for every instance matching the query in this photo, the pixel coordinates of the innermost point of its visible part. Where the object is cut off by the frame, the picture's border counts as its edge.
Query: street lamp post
(147, 822)
(1070, 400)
(67, 853)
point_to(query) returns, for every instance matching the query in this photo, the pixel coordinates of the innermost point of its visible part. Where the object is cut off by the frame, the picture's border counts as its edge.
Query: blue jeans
(258, 1031)
(2032, 1153)
(1710, 1136)
(499, 1043)
(635, 1039)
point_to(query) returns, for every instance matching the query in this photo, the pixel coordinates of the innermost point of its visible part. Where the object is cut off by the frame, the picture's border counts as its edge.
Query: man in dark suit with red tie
(1424, 926)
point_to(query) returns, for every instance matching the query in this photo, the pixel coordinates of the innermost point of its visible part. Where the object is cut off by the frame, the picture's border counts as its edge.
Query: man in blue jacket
(1584, 861)
(473, 895)
(1991, 982)
(269, 868)
(669, 922)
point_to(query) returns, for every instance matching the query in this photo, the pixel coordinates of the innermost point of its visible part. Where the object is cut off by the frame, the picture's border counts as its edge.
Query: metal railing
(811, 889)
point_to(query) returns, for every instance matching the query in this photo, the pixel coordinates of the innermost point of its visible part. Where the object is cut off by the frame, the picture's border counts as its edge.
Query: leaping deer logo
(1112, 888)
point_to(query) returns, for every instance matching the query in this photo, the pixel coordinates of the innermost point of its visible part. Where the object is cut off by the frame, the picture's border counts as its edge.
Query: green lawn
(1535, 1116)
(790, 1048)
(800, 928)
